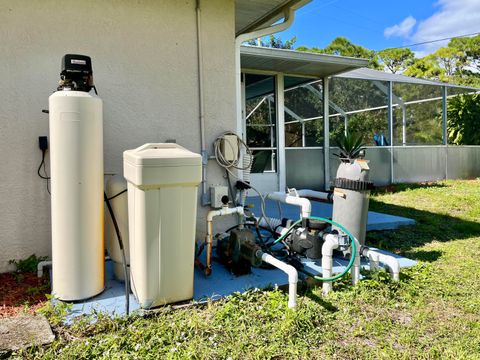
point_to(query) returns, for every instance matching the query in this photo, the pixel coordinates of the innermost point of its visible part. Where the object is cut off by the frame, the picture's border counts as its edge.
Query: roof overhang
(254, 14)
(376, 75)
(296, 62)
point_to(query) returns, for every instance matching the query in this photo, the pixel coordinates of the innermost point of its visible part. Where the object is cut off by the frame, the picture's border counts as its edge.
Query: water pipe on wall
(201, 106)
(209, 237)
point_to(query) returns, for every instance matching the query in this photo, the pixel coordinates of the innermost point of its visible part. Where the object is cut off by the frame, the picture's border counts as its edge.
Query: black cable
(124, 259)
(45, 177)
(118, 194)
(42, 163)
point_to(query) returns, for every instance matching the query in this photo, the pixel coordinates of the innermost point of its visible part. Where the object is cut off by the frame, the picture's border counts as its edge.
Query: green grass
(432, 313)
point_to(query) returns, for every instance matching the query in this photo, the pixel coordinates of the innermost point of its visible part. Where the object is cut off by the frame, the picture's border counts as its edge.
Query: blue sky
(379, 24)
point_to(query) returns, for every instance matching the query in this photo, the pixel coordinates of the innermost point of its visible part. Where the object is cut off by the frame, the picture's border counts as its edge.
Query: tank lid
(162, 154)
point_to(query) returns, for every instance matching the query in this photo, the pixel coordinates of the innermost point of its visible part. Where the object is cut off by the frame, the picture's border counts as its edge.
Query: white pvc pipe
(330, 244)
(390, 263)
(292, 277)
(355, 271)
(209, 237)
(293, 200)
(320, 195)
(41, 265)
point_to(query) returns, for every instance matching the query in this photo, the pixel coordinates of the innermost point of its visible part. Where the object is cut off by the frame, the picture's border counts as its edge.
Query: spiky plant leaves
(351, 146)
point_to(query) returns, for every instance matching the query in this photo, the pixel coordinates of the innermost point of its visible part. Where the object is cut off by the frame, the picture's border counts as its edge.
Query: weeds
(432, 312)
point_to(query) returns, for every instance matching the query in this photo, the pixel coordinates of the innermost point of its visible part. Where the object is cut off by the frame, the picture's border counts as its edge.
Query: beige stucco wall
(145, 67)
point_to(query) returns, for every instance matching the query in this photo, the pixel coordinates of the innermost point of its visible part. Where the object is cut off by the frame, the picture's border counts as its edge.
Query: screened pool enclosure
(293, 133)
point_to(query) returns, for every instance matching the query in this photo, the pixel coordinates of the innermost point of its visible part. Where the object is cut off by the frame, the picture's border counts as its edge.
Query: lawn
(433, 312)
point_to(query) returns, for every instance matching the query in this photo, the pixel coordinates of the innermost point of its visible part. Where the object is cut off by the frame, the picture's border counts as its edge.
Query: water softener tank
(76, 162)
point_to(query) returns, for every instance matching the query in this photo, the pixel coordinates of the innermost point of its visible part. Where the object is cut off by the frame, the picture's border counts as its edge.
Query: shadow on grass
(404, 187)
(321, 301)
(429, 227)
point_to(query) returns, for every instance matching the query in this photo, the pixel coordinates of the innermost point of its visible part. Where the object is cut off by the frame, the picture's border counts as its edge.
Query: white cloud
(451, 18)
(403, 29)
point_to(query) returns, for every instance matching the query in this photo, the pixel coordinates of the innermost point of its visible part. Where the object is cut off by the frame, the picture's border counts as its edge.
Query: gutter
(289, 15)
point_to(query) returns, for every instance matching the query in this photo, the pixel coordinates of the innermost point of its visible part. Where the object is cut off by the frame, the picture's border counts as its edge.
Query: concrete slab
(23, 331)
(376, 221)
(220, 284)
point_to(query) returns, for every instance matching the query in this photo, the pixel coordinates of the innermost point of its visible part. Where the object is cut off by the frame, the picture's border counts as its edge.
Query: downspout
(201, 102)
(289, 15)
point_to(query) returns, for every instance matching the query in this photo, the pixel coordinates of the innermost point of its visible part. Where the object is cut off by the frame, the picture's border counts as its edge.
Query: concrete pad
(24, 331)
(376, 221)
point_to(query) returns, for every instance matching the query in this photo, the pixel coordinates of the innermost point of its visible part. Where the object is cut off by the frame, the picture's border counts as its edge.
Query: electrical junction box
(229, 147)
(217, 192)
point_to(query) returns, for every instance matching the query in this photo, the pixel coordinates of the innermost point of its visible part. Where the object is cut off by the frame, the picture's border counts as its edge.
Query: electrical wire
(122, 250)
(45, 177)
(434, 41)
(117, 194)
(228, 164)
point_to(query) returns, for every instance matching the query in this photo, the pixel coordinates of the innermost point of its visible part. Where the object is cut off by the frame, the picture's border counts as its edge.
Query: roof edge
(272, 16)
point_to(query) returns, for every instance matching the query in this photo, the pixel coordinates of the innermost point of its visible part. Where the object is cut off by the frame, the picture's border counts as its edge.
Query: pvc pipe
(331, 243)
(390, 263)
(355, 272)
(41, 265)
(315, 195)
(201, 104)
(293, 200)
(209, 238)
(292, 277)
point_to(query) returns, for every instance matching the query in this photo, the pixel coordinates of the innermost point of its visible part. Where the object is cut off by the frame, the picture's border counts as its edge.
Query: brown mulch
(20, 292)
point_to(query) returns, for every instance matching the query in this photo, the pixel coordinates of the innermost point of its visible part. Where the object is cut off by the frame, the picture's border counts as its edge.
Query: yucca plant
(351, 146)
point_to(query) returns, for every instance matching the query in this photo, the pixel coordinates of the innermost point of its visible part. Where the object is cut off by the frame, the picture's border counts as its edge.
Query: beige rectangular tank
(162, 208)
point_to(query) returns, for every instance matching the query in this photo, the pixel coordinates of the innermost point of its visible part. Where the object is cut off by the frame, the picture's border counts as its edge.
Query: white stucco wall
(144, 59)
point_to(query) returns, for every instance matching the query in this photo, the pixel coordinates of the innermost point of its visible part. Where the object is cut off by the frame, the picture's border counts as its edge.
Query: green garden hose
(353, 245)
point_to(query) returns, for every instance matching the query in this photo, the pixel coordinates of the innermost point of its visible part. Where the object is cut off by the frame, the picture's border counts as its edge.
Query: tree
(274, 42)
(426, 67)
(396, 60)
(463, 120)
(344, 47)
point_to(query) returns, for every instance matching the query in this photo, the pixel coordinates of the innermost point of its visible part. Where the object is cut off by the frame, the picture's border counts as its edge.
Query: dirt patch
(22, 291)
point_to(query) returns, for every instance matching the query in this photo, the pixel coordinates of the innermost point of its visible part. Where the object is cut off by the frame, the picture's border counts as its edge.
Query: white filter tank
(76, 161)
